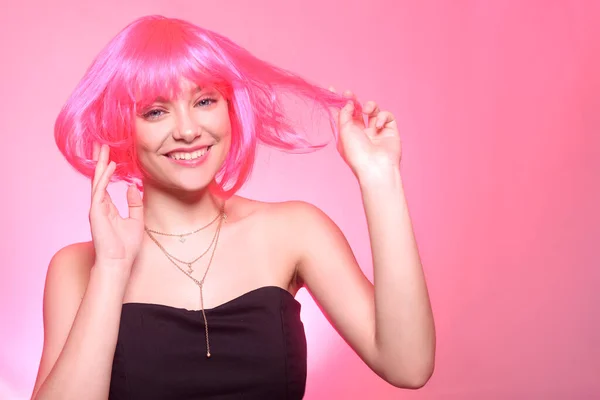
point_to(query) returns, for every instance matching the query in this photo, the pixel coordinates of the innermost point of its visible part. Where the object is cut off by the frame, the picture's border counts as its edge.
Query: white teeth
(188, 156)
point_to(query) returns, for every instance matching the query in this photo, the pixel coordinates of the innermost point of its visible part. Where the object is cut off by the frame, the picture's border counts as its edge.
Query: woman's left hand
(372, 147)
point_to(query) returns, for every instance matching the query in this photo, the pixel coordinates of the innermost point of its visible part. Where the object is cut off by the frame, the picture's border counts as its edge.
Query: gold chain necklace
(199, 283)
(182, 236)
(188, 263)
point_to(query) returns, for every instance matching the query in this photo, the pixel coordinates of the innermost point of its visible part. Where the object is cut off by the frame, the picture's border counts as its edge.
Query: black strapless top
(257, 341)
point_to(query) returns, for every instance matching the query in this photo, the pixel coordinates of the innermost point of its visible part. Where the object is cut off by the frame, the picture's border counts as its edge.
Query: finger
(349, 94)
(384, 118)
(95, 151)
(134, 201)
(100, 189)
(371, 110)
(100, 165)
(346, 114)
(357, 118)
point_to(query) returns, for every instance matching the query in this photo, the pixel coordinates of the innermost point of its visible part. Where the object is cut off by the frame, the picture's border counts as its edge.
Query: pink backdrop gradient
(499, 109)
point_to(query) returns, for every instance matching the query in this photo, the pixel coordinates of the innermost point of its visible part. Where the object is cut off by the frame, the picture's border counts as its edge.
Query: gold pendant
(190, 269)
(182, 239)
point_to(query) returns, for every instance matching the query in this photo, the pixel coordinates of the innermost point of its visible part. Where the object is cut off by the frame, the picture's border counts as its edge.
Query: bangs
(156, 60)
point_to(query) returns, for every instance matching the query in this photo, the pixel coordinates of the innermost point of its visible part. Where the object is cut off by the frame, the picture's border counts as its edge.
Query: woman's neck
(171, 212)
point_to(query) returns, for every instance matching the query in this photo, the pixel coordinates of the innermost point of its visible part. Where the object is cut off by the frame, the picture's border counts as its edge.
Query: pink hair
(147, 59)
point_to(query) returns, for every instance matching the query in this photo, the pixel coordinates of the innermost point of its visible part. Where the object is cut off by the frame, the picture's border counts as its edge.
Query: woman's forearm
(83, 369)
(405, 333)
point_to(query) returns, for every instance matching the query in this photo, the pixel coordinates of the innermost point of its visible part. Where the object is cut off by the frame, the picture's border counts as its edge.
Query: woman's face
(181, 143)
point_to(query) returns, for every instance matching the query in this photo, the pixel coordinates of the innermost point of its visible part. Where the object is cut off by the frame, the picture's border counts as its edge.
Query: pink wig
(147, 59)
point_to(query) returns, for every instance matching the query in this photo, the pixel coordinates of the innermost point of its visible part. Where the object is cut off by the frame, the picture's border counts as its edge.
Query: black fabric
(258, 348)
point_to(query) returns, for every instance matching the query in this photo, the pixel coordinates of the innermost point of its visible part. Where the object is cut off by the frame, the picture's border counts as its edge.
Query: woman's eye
(206, 102)
(153, 114)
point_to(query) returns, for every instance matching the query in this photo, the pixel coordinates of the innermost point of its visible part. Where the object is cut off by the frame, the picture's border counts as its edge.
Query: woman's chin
(179, 188)
(191, 188)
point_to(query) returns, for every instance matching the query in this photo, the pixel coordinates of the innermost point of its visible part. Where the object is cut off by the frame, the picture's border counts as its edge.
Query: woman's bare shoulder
(80, 251)
(274, 212)
(73, 259)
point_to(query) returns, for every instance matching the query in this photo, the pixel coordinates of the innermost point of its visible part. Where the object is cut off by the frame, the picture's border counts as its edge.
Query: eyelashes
(210, 101)
(155, 113)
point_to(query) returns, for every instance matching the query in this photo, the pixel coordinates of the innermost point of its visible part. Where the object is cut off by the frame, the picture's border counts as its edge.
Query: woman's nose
(186, 129)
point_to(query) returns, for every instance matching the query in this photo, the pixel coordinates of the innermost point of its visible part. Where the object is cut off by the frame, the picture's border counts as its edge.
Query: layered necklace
(189, 269)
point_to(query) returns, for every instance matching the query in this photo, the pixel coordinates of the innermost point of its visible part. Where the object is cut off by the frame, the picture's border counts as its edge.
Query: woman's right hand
(117, 240)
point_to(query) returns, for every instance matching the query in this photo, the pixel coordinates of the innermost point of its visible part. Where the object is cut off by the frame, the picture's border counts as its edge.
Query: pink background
(499, 108)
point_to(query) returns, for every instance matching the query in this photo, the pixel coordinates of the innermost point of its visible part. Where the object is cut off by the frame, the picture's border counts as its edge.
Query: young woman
(192, 295)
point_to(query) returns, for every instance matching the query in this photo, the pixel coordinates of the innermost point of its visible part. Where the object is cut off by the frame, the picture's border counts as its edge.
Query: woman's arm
(404, 326)
(82, 309)
(391, 324)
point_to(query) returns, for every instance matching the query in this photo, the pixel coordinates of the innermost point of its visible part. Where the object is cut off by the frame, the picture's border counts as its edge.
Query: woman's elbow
(414, 379)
